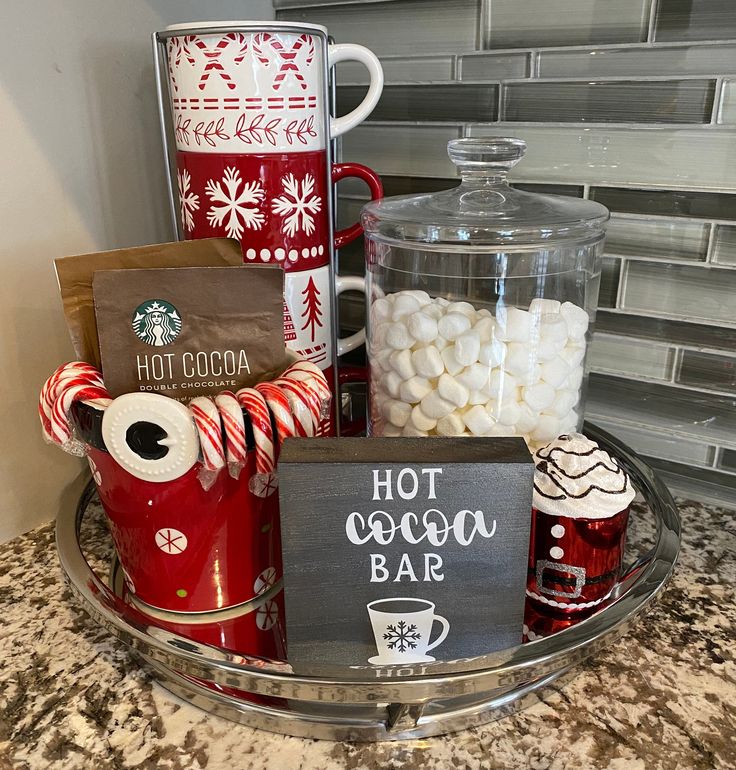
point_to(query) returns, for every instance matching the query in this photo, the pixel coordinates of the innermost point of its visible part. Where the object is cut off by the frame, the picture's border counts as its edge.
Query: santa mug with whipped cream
(579, 517)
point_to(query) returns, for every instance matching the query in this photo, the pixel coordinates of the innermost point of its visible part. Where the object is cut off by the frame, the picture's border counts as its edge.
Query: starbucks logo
(156, 322)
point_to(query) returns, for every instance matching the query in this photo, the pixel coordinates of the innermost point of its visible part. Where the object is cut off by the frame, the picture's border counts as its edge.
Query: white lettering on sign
(432, 567)
(407, 483)
(435, 528)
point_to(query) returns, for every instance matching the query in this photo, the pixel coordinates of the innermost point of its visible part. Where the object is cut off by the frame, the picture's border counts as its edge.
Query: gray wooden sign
(403, 550)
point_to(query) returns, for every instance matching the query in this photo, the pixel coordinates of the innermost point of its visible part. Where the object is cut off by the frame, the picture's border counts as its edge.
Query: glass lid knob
(489, 155)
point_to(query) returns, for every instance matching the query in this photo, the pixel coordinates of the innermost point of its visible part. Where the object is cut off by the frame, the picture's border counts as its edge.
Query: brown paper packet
(75, 274)
(187, 332)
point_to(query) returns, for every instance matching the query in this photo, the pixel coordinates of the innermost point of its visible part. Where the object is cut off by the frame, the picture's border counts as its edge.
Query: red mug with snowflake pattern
(277, 206)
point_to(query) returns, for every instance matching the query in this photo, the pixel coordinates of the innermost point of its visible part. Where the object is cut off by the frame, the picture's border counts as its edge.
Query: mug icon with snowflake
(403, 628)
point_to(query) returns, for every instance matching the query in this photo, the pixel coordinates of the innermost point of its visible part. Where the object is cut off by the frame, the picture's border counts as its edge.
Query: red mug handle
(343, 170)
(347, 374)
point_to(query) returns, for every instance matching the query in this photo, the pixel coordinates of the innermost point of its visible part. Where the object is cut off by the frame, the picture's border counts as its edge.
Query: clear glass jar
(482, 300)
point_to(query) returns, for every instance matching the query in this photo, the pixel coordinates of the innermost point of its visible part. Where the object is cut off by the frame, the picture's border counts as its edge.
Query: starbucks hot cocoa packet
(74, 275)
(187, 332)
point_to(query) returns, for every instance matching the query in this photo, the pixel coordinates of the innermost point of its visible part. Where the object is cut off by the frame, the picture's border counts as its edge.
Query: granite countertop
(662, 697)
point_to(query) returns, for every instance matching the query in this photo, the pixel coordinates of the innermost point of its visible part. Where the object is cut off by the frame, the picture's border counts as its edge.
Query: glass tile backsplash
(670, 101)
(631, 103)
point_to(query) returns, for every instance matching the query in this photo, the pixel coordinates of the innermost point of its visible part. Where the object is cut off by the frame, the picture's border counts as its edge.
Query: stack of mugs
(252, 129)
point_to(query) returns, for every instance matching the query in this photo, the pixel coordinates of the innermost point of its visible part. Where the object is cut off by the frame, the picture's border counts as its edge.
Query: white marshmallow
(564, 401)
(404, 305)
(382, 359)
(391, 431)
(467, 347)
(484, 327)
(478, 397)
(528, 419)
(435, 407)
(378, 334)
(452, 325)
(501, 385)
(553, 330)
(398, 337)
(422, 327)
(420, 296)
(531, 377)
(573, 354)
(453, 391)
(452, 425)
(414, 390)
(462, 307)
(478, 421)
(440, 343)
(433, 310)
(575, 380)
(514, 325)
(401, 363)
(380, 310)
(577, 320)
(420, 420)
(538, 396)
(485, 313)
(508, 412)
(452, 365)
(392, 384)
(539, 306)
(410, 430)
(475, 376)
(428, 361)
(519, 359)
(397, 412)
(548, 428)
(569, 422)
(441, 301)
(500, 430)
(554, 372)
(492, 353)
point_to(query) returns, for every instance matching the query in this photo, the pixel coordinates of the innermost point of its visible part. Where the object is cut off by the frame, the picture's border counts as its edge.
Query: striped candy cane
(75, 390)
(76, 370)
(287, 56)
(213, 56)
(305, 405)
(231, 414)
(263, 483)
(207, 420)
(280, 409)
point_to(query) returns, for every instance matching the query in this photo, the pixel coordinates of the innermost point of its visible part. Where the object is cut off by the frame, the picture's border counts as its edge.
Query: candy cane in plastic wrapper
(231, 414)
(209, 429)
(263, 482)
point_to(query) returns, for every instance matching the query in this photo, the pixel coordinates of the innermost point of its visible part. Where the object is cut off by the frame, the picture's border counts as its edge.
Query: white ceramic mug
(253, 87)
(402, 629)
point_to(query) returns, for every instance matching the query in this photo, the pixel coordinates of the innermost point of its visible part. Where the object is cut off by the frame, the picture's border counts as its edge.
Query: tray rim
(516, 666)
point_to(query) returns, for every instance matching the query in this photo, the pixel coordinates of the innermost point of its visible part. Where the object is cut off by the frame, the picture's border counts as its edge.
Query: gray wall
(82, 170)
(629, 102)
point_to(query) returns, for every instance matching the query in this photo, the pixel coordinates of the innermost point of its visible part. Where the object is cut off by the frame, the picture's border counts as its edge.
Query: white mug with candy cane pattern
(252, 87)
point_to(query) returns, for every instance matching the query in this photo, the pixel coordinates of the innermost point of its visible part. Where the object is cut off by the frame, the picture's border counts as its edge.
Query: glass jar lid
(484, 210)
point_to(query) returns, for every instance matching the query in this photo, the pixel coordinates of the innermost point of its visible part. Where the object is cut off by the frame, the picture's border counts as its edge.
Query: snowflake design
(297, 205)
(171, 540)
(402, 636)
(236, 208)
(188, 201)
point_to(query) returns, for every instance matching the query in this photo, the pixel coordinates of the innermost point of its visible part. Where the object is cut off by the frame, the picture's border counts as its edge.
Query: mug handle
(343, 170)
(443, 634)
(338, 52)
(349, 283)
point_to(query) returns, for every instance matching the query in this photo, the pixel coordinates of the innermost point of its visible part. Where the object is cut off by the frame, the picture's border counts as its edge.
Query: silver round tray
(453, 694)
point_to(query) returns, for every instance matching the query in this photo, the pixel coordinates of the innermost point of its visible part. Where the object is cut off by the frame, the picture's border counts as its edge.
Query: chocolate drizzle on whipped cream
(574, 477)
